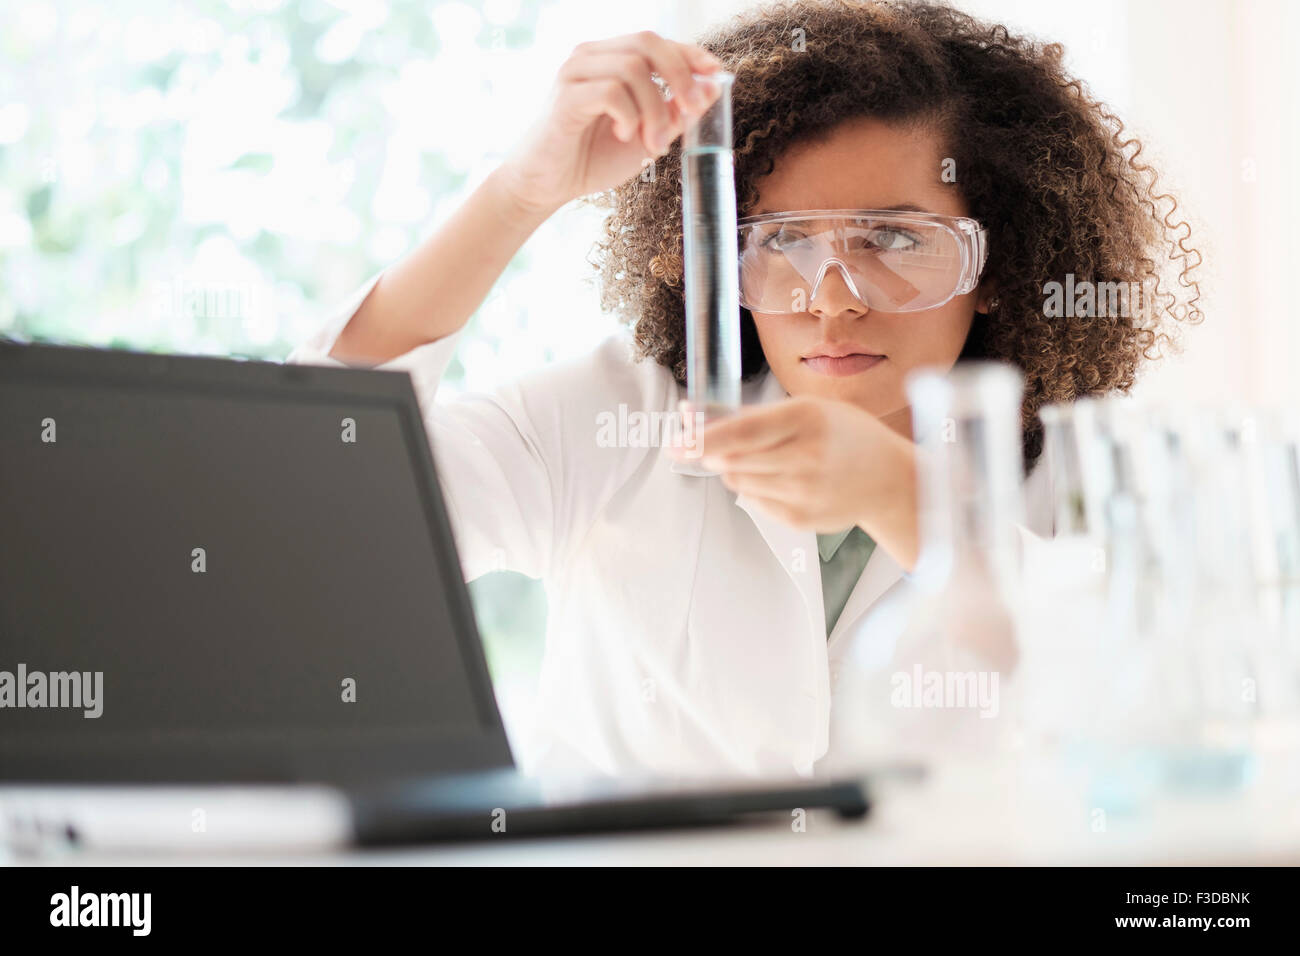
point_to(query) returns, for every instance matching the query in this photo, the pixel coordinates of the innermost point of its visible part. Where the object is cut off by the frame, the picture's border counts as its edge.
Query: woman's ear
(986, 296)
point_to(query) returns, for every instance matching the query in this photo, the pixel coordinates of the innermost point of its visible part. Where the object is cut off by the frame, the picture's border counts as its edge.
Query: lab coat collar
(881, 573)
(797, 550)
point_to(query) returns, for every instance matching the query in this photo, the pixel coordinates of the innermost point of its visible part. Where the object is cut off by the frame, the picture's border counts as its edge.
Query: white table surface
(1022, 811)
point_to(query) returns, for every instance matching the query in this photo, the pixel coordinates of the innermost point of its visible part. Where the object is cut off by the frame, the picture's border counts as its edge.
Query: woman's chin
(870, 396)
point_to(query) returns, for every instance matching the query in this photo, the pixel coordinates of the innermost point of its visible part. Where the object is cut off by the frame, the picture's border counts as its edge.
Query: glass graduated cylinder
(710, 252)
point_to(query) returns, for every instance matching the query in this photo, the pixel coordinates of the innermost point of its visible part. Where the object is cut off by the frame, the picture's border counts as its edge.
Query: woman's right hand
(606, 116)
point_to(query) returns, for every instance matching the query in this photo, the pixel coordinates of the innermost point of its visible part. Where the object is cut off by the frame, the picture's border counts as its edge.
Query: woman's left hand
(817, 464)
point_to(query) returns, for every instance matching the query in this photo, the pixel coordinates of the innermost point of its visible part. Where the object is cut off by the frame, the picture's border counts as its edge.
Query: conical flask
(923, 674)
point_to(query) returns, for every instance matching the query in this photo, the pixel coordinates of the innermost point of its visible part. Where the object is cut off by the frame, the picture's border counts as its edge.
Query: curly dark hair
(1045, 167)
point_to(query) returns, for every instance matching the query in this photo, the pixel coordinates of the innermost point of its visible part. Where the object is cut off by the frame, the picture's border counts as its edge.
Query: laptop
(232, 615)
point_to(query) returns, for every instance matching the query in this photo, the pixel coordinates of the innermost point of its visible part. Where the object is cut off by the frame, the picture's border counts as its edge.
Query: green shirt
(843, 556)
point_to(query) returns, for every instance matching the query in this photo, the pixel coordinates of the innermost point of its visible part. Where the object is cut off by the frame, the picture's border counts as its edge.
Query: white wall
(1213, 89)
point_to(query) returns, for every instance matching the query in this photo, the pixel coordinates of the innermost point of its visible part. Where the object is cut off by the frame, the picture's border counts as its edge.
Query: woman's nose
(834, 293)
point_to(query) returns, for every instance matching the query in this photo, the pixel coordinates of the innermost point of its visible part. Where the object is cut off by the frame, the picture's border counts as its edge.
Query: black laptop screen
(240, 570)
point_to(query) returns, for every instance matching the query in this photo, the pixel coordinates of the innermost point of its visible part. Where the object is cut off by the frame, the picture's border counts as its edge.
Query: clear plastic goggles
(891, 261)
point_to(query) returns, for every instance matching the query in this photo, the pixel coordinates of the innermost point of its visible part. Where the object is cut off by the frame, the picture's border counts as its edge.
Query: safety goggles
(891, 261)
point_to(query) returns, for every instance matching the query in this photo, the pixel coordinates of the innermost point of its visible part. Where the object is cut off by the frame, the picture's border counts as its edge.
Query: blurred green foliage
(202, 177)
(209, 176)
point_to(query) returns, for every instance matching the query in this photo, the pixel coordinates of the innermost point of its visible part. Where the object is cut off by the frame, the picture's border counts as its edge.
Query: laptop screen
(227, 571)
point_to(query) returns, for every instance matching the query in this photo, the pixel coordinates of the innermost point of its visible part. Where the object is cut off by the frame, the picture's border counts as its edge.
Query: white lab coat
(686, 633)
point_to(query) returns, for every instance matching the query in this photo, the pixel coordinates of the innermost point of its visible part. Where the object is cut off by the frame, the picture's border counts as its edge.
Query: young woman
(697, 607)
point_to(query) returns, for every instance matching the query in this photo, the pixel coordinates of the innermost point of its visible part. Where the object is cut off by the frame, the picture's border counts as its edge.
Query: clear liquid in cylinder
(711, 280)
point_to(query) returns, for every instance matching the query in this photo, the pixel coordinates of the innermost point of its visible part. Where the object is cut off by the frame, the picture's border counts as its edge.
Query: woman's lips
(842, 364)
